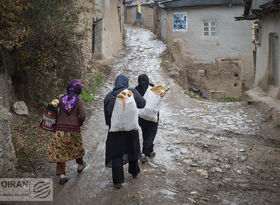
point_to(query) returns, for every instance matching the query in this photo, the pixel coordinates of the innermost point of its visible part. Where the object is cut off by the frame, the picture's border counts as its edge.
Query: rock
(194, 165)
(153, 165)
(187, 161)
(227, 166)
(7, 152)
(220, 159)
(203, 173)
(250, 169)
(174, 74)
(20, 108)
(201, 72)
(218, 169)
(192, 200)
(212, 170)
(206, 146)
(239, 171)
(194, 193)
(243, 158)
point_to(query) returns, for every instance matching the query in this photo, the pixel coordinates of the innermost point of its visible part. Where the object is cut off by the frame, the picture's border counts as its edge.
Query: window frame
(209, 26)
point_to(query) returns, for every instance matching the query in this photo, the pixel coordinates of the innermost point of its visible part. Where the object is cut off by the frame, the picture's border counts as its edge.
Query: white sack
(153, 103)
(124, 119)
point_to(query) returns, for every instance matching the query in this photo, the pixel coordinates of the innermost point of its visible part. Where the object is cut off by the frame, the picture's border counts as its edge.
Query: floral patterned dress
(66, 146)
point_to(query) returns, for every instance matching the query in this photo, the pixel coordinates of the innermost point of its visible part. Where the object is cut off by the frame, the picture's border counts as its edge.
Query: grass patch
(229, 99)
(88, 93)
(195, 95)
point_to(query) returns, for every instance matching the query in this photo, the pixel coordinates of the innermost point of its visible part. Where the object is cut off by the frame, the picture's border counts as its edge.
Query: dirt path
(196, 160)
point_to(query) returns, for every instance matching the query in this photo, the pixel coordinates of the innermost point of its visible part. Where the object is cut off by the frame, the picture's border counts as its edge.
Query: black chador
(121, 147)
(149, 128)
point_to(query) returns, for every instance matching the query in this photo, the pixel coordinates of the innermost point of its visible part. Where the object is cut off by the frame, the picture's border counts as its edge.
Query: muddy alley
(206, 152)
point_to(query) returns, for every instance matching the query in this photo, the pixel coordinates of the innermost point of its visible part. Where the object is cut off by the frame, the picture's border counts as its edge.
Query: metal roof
(135, 2)
(189, 3)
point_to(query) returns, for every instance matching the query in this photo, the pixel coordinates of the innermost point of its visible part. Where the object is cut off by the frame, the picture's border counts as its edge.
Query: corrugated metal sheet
(189, 3)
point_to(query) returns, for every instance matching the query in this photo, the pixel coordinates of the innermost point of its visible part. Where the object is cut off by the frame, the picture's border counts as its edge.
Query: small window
(210, 28)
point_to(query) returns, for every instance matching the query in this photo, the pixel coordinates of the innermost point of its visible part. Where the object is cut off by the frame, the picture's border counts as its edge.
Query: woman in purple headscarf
(67, 142)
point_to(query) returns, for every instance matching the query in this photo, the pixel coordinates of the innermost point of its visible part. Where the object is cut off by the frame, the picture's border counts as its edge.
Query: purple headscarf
(70, 100)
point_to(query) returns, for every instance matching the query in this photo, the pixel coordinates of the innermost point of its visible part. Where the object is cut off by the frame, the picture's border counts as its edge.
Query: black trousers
(149, 131)
(117, 170)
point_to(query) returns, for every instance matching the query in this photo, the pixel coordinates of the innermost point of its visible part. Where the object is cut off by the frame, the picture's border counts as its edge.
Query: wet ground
(197, 158)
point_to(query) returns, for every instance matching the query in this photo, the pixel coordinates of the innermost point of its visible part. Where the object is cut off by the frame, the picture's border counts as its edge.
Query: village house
(216, 51)
(266, 14)
(141, 12)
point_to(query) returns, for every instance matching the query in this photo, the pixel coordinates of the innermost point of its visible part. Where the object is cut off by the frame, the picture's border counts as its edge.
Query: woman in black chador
(149, 128)
(121, 147)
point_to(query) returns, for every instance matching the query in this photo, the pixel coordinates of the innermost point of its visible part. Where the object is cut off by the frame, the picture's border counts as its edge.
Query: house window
(180, 22)
(210, 28)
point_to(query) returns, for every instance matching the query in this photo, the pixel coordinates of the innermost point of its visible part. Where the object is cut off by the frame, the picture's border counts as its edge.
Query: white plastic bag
(124, 116)
(153, 103)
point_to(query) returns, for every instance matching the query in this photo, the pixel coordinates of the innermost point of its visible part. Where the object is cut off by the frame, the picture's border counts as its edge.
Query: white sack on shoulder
(124, 118)
(153, 103)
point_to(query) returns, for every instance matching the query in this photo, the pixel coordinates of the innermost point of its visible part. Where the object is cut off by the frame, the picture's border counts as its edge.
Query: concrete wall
(162, 24)
(130, 15)
(99, 40)
(269, 24)
(233, 39)
(112, 32)
(147, 16)
(108, 28)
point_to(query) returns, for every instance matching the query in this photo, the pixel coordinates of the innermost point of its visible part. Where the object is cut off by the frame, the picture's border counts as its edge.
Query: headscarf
(70, 100)
(121, 83)
(143, 84)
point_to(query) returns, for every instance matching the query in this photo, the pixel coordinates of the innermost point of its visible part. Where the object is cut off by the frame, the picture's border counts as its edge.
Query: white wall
(162, 24)
(269, 24)
(233, 39)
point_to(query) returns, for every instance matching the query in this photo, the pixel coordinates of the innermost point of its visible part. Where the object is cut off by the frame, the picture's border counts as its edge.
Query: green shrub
(88, 92)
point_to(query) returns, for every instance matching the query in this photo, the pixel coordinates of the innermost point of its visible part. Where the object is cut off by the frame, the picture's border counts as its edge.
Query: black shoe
(152, 154)
(134, 176)
(84, 166)
(117, 185)
(63, 181)
(143, 158)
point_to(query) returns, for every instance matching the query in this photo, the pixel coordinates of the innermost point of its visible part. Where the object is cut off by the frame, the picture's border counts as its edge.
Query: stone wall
(7, 153)
(218, 79)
